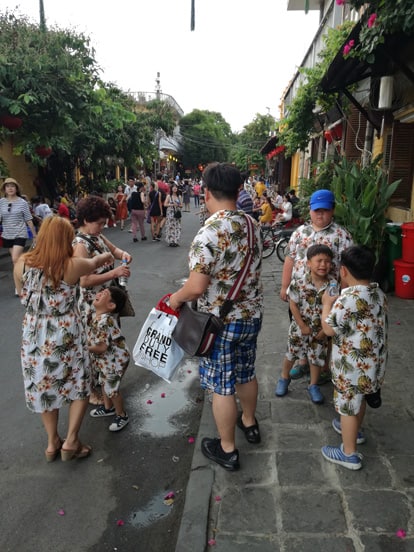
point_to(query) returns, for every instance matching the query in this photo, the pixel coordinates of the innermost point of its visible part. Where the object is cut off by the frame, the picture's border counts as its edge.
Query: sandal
(51, 456)
(298, 371)
(252, 433)
(83, 451)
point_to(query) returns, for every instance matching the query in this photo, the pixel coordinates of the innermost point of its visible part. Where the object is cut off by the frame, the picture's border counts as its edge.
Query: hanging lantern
(43, 151)
(328, 136)
(11, 122)
(337, 132)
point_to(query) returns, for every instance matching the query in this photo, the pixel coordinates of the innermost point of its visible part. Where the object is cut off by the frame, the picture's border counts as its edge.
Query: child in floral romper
(109, 354)
(306, 338)
(357, 320)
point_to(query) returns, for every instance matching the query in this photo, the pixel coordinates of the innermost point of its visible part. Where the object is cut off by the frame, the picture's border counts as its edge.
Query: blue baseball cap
(322, 199)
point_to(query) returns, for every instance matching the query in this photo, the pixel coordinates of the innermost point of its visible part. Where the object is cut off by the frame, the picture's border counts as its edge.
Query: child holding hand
(306, 339)
(109, 353)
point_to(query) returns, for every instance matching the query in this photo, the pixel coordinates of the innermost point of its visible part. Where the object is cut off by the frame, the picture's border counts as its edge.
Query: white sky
(238, 60)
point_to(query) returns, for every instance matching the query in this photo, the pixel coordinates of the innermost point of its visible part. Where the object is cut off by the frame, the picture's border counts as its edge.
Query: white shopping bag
(155, 349)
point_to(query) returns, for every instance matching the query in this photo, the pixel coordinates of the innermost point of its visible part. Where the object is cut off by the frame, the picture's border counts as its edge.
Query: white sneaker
(119, 423)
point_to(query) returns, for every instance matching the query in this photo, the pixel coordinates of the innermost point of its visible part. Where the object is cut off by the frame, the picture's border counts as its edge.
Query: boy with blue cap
(321, 229)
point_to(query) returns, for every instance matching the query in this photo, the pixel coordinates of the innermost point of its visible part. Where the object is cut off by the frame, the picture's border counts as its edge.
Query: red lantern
(43, 151)
(337, 132)
(11, 122)
(328, 136)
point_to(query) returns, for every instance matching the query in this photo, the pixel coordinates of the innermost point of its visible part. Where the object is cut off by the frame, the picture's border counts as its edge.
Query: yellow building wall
(21, 170)
(294, 171)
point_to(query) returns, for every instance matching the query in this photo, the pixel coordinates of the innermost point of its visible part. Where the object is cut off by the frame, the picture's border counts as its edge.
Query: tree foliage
(50, 79)
(247, 144)
(206, 137)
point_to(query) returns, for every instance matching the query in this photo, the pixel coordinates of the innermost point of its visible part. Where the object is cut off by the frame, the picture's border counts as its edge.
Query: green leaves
(362, 197)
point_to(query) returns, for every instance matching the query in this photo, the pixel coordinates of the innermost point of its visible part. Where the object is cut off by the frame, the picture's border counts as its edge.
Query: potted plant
(362, 196)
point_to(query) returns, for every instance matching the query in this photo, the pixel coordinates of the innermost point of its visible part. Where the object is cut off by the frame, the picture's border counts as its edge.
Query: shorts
(8, 244)
(348, 402)
(306, 346)
(232, 360)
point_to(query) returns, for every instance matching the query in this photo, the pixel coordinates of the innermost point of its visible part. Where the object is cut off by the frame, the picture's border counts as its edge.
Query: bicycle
(275, 238)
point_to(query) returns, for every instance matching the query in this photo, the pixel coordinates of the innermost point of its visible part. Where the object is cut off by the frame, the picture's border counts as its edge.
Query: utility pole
(42, 16)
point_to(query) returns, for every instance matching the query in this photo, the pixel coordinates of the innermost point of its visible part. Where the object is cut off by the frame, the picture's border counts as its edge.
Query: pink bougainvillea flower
(149, 401)
(163, 395)
(61, 512)
(348, 47)
(169, 498)
(371, 20)
(191, 440)
(120, 522)
(340, 2)
(212, 542)
(189, 371)
(217, 498)
(401, 534)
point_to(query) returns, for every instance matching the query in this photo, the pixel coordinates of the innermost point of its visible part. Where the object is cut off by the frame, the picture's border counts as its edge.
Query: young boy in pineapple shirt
(357, 322)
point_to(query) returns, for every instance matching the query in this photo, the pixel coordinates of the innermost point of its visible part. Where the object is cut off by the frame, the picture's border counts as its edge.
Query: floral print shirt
(111, 364)
(219, 250)
(359, 346)
(334, 236)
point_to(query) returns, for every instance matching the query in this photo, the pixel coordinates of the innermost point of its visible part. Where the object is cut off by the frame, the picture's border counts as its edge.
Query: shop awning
(269, 146)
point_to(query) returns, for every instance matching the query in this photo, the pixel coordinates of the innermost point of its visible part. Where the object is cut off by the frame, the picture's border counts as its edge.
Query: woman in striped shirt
(15, 217)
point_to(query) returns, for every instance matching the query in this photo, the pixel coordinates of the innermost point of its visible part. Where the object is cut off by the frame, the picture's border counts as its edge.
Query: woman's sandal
(51, 456)
(83, 451)
(252, 433)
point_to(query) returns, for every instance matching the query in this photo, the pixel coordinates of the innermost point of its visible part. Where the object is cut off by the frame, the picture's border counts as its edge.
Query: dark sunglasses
(9, 207)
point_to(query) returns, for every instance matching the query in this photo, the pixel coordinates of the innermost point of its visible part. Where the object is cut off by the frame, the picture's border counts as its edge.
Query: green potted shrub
(362, 196)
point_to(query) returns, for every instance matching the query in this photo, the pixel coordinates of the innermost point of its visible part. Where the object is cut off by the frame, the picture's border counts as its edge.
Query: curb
(193, 532)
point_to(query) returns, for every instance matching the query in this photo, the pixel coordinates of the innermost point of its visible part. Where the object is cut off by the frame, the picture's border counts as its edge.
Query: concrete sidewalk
(286, 497)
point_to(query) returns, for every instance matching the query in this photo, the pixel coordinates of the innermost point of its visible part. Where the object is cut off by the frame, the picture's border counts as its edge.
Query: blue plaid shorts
(232, 359)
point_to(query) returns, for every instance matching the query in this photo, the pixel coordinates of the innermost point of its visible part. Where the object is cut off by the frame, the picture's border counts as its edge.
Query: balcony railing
(144, 97)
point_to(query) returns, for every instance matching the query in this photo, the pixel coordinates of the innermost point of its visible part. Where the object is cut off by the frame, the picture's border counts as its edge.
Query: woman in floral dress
(54, 352)
(173, 203)
(91, 213)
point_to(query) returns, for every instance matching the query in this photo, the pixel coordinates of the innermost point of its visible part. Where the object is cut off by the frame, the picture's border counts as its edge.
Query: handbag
(196, 331)
(127, 309)
(177, 213)
(155, 349)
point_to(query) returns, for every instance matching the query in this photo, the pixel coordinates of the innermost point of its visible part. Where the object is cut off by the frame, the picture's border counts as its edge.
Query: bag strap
(238, 283)
(90, 241)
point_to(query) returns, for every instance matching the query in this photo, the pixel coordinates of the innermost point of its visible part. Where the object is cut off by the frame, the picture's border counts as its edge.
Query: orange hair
(53, 248)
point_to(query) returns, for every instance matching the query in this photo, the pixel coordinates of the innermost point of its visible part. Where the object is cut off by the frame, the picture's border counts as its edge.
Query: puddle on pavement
(168, 399)
(154, 511)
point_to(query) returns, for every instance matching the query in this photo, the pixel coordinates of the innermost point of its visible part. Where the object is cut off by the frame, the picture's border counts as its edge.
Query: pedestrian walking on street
(54, 352)
(217, 254)
(174, 204)
(121, 207)
(15, 217)
(137, 203)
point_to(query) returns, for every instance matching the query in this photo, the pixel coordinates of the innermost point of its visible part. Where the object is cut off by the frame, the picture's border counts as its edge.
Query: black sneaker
(144, 238)
(119, 423)
(211, 448)
(100, 411)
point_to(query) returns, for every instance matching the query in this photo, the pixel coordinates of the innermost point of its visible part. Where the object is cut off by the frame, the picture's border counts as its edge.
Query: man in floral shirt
(321, 229)
(217, 254)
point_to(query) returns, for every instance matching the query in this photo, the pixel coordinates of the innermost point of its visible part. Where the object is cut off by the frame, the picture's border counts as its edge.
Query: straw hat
(11, 181)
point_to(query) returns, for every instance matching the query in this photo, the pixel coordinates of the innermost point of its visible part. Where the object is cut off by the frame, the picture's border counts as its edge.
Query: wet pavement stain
(162, 401)
(154, 511)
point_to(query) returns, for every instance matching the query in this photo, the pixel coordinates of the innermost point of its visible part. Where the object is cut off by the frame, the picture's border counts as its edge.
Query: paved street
(286, 497)
(129, 473)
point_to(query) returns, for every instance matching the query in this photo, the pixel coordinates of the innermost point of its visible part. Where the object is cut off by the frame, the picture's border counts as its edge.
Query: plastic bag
(155, 349)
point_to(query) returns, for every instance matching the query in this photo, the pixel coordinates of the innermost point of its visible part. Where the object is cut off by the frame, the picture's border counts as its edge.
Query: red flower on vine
(371, 20)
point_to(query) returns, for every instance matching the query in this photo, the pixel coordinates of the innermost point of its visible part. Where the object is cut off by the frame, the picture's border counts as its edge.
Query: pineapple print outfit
(308, 298)
(109, 366)
(54, 352)
(359, 346)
